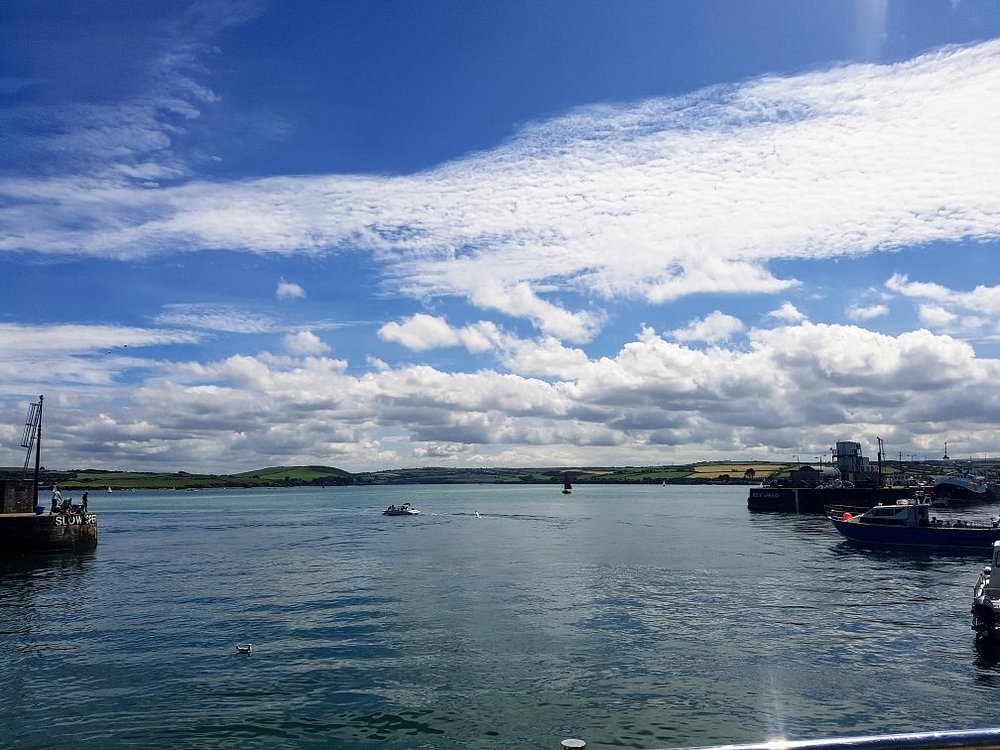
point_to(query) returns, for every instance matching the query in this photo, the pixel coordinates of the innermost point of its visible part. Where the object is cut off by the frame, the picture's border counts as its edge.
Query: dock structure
(776, 499)
(849, 480)
(26, 527)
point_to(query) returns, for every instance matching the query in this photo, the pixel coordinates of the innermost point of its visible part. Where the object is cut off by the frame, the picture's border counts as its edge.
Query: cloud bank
(655, 398)
(655, 200)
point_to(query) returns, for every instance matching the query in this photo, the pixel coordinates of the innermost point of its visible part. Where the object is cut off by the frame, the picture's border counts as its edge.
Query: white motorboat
(401, 510)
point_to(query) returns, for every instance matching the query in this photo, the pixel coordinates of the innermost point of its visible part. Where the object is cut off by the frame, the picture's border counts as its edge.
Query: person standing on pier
(83, 501)
(56, 498)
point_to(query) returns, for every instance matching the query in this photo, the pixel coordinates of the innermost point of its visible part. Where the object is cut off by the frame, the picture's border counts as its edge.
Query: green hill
(98, 479)
(715, 472)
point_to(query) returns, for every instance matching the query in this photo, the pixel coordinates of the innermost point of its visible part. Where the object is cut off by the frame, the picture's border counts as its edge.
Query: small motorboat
(401, 510)
(908, 522)
(244, 648)
(986, 602)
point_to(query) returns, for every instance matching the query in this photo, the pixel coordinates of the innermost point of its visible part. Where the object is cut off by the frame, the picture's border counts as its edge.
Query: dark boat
(25, 526)
(567, 487)
(792, 499)
(962, 489)
(848, 480)
(909, 523)
(986, 601)
(401, 510)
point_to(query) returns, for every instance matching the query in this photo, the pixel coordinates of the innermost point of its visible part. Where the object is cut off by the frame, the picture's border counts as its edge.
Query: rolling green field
(716, 472)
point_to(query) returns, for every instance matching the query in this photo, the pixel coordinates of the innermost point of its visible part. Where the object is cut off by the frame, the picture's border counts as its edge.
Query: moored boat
(401, 510)
(986, 601)
(909, 523)
(849, 479)
(957, 489)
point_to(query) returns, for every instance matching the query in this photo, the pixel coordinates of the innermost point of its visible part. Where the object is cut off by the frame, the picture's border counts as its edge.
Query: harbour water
(503, 617)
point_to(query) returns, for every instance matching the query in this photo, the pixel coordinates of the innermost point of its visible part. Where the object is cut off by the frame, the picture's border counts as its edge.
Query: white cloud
(715, 327)
(546, 357)
(936, 316)
(867, 312)
(982, 299)
(521, 301)
(49, 339)
(421, 332)
(75, 355)
(972, 314)
(655, 200)
(289, 290)
(797, 388)
(212, 317)
(787, 313)
(305, 343)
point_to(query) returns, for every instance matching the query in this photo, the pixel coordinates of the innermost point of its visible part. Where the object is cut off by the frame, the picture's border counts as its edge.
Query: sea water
(502, 617)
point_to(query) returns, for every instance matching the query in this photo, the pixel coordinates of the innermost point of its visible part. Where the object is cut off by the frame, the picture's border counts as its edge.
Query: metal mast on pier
(32, 438)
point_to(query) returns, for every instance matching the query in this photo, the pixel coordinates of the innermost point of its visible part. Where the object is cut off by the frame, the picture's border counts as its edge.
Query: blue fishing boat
(909, 522)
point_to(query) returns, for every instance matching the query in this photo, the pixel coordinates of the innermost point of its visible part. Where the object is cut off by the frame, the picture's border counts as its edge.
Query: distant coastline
(715, 472)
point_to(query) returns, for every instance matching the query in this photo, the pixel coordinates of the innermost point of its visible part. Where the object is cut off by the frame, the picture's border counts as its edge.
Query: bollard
(573, 744)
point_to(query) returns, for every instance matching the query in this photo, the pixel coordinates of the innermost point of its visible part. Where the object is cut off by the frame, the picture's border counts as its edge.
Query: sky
(373, 234)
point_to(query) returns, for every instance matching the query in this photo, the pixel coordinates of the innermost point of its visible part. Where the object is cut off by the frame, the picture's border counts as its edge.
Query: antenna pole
(881, 481)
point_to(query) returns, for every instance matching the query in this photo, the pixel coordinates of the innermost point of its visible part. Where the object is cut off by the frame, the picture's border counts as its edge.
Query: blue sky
(388, 234)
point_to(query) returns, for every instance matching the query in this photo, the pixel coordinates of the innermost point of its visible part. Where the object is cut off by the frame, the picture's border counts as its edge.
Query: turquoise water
(642, 617)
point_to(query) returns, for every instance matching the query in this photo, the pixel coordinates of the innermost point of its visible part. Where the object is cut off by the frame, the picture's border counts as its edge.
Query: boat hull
(816, 499)
(942, 537)
(965, 492)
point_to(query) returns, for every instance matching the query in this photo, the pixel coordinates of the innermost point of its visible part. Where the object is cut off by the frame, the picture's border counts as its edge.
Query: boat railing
(962, 739)
(837, 511)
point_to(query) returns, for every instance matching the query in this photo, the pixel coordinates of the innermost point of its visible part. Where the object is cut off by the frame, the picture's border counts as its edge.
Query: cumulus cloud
(289, 290)
(983, 299)
(545, 357)
(654, 200)
(305, 343)
(936, 316)
(800, 387)
(521, 301)
(965, 313)
(421, 332)
(715, 327)
(867, 312)
(787, 313)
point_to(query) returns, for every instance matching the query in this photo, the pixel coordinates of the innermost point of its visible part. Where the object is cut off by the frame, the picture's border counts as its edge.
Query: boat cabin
(906, 512)
(992, 587)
